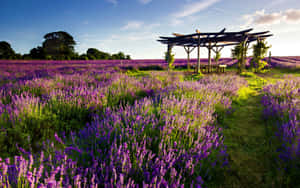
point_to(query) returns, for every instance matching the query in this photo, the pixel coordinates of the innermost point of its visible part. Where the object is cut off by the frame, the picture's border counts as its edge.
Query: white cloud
(133, 25)
(292, 15)
(260, 18)
(144, 1)
(268, 19)
(115, 2)
(195, 7)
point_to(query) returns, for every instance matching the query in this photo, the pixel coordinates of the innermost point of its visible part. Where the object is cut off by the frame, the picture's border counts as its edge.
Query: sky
(134, 26)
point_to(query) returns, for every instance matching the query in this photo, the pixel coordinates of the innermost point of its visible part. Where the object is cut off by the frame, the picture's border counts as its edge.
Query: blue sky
(133, 26)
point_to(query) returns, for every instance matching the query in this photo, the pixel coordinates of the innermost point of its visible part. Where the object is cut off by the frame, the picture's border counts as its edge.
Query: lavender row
(165, 139)
(282, 108)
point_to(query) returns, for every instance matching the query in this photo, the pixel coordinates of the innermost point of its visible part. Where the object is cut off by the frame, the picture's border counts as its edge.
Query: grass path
(245, 137)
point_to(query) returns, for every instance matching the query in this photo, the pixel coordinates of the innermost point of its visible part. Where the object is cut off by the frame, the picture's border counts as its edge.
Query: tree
(128, 57)
(83, 57)
(59, 45)
(260, 50)
(217, 56)
(94, 53)
(37, 53)
(239, 52)
(121, 55)
(114, 56)
(6, 52)
(169, 58)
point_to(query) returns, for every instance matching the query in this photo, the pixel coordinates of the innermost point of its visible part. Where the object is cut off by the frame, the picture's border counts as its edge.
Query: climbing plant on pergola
(215, 41)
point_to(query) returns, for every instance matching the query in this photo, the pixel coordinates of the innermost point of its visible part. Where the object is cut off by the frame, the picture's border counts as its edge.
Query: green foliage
(196, 77)
(60, 45)
(260, 50)
(128, 57)
(37, 53)
(258, 65)
(239, 52)
(83, 57)
(38, 124)
(93, 54)
(169, 58)
(217, 56)
(6, 52)
(248, 74)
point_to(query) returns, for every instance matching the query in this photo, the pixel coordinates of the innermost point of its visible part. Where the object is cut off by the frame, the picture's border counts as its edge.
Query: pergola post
(198, 54)
(209, 57)
(188, 50)
(188, 60)
(170, 46)
(245, 46)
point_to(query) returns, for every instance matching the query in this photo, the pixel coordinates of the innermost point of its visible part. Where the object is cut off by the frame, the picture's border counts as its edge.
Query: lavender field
(131, 123)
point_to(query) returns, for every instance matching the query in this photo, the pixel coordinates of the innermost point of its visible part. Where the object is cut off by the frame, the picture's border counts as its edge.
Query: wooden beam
(218, 49)
(214, 33)
(177, 34)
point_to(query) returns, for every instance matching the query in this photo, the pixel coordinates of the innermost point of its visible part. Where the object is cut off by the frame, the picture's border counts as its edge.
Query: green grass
(245, 135)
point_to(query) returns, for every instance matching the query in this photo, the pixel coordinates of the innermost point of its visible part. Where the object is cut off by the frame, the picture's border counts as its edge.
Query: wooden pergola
(215, 41)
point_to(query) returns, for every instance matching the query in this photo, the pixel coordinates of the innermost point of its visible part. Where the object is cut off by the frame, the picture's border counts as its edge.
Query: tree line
(57, 46)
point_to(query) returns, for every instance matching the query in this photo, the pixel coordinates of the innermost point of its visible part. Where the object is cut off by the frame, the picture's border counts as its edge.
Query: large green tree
(260, 50)
(6, 52)
(239, 52)
(59, 45)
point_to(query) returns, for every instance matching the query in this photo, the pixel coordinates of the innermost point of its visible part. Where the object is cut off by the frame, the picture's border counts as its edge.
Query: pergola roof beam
(212, 33)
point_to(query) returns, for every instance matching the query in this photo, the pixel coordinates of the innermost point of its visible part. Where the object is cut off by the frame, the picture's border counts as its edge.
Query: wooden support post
(209, 57)
(187, 49)
(188, 60)
(243, 55)
(198, 63)
(170, 46)
(198, 60)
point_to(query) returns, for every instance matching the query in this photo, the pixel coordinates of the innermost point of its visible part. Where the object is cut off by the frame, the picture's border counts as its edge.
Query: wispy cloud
(263, 18)
(144, 1)
(137, 25)
(194, 7)
(292, 15)
(115, 2)
(132, 25)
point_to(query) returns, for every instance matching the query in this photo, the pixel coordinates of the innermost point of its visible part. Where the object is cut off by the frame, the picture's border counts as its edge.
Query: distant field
(276, 61)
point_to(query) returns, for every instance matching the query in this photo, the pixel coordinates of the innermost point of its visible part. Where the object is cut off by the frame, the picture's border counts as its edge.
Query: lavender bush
(282, 109)
(93, 128)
